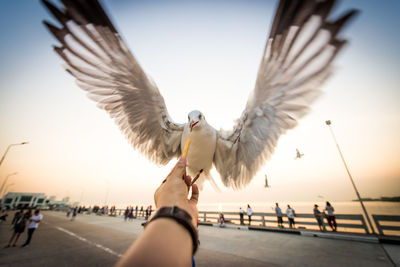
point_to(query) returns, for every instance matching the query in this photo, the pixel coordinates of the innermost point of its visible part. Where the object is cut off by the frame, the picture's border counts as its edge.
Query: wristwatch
(182, 217)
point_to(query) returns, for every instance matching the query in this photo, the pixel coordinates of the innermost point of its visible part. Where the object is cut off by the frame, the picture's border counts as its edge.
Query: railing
(353, 223)
(382, 221)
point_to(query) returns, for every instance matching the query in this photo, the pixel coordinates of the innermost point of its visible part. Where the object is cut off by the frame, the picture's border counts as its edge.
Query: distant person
(17, 216)
(170, 238)
(3, 216)
(147, 213)
(130, 214)
(290, 213)
(69, 212)
(141, 211)
(150, 210)
(126, 213)
(33, 225)
(320, 218)
(279, 215)
(136, 211)
(19, 228)
(241, 213)
(221, 220)
(331, 216)
(74, 212)
(249, 213)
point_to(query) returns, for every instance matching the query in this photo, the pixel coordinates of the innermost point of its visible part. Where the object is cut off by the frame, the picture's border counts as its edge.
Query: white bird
(296, 61)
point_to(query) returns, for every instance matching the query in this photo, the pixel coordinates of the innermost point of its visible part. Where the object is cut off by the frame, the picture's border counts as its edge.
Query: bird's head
(195, 119)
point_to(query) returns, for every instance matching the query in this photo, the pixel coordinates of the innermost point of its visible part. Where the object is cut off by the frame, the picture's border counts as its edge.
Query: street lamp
(5, 181)
(8, 186)
(328, 122)
(8, 148)
(108, 191)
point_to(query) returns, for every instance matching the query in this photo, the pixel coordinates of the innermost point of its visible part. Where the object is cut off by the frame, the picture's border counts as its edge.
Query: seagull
(266, 181)
(297, 59)
(298, 154)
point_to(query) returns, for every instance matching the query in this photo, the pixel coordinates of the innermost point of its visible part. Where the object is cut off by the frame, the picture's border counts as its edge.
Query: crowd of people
(327, 213)
(133, 212)
(129, 213)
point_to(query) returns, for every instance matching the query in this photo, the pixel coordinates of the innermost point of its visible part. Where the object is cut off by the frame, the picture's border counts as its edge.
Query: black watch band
(183, 218)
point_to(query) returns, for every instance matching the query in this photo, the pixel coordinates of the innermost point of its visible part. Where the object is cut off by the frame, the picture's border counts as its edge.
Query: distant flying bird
(297, 59)
(266, 181)
(298, 154)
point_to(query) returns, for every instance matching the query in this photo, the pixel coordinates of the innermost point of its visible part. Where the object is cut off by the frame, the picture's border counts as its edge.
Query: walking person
(249, 213)
(17, 216)
(69, 212)
(34, 223)
(74, 212)
(279, 215)
(19, 228)
(130, 214)
(241, 213)
(331, 216)
(290, 213)
(126, 213)
(320, 218)
(136, 211)
(141, 211)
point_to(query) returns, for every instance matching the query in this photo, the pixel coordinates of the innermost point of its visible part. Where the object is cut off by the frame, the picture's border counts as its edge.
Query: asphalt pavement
(93, 240)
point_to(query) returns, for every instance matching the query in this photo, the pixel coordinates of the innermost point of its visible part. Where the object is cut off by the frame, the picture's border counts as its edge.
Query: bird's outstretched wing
(97, 57)
(297, 60)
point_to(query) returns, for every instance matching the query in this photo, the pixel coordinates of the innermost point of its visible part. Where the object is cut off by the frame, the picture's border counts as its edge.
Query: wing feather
(97, 57)
(297, 60)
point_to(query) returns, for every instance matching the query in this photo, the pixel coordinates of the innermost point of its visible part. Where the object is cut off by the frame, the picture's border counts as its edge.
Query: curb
(348, 237)
(367, 239)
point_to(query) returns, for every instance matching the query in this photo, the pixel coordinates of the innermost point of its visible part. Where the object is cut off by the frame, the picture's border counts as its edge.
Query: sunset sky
(202, 55)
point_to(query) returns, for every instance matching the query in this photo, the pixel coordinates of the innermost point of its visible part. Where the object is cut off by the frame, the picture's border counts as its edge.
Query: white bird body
(300, 48)
(202, 147)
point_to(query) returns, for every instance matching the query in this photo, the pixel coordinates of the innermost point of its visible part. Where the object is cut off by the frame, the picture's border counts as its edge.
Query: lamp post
(107, 191)
(8, 186)
(328, 122)
(8, 148)
(5, 181)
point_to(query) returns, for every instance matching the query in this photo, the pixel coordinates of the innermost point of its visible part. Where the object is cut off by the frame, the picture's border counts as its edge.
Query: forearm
(164, 242)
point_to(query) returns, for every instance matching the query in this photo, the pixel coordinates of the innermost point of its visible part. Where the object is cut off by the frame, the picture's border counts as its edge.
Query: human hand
(175, 189)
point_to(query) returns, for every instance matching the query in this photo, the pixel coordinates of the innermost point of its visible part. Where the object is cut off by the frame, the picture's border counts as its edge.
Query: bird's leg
(196, 177)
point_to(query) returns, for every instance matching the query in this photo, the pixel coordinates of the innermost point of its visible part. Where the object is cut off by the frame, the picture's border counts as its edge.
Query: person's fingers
(179, 170)
(195, 194)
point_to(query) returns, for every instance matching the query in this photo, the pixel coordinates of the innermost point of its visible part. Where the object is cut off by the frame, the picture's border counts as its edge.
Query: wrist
(180, 216)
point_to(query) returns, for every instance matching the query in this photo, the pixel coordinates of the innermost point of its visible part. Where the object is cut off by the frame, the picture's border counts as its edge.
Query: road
(93, 240)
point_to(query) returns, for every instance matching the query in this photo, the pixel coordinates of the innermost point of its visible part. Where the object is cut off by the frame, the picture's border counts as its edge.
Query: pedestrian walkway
(93, 240)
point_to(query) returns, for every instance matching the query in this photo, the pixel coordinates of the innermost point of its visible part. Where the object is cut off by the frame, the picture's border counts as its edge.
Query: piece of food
(186, 148)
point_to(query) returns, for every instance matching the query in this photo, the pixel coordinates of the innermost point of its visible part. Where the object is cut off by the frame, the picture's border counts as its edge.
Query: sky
(202, 55)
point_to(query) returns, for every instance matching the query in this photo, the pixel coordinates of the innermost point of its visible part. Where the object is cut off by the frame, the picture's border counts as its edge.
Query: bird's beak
(192, 124)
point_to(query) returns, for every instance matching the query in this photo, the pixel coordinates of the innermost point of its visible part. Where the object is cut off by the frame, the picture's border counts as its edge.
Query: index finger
(179, 171)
